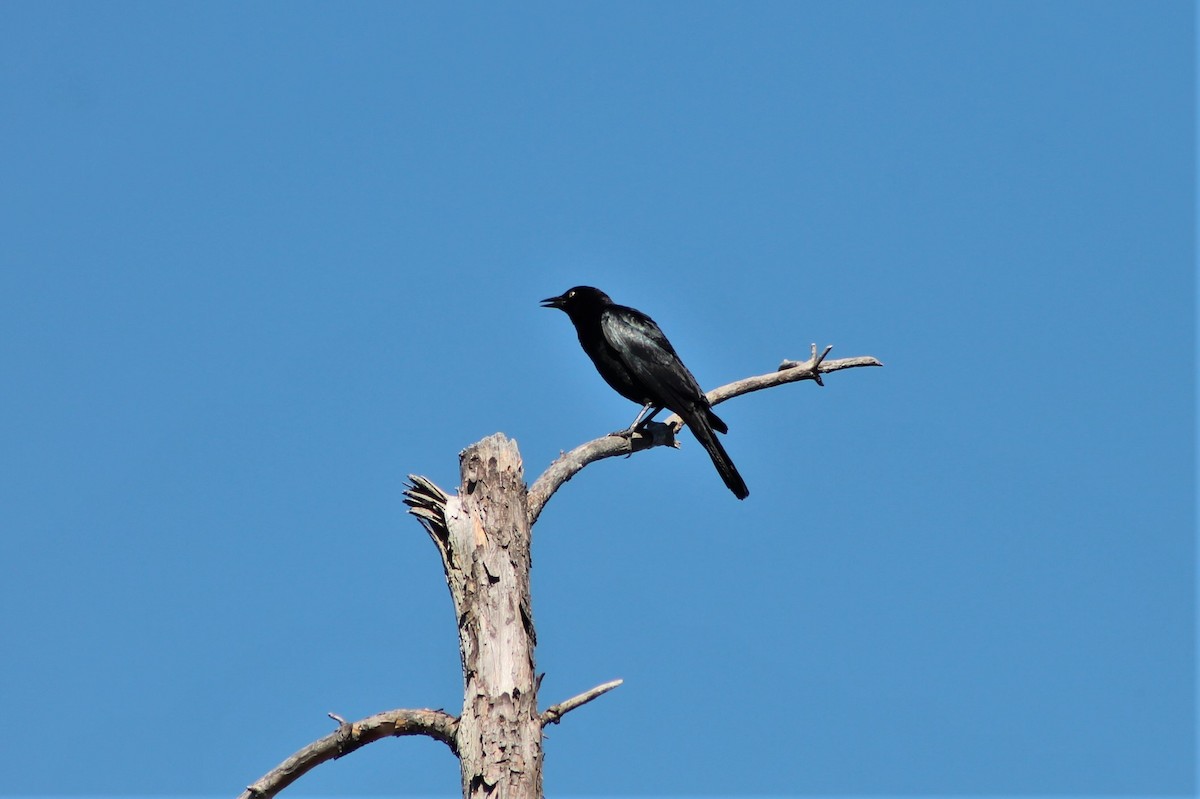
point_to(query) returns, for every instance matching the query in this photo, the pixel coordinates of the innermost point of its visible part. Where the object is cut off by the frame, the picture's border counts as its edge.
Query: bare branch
(436, 724)
(662, 434)
(554, 713)
(568, 464)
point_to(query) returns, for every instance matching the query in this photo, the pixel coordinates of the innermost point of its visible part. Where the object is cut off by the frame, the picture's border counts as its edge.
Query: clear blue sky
(260, 261)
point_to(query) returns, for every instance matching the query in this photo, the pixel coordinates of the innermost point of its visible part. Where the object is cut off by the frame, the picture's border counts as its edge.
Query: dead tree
(483, 536)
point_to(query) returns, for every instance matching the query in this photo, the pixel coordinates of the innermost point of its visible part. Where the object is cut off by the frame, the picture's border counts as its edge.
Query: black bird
(634, 357)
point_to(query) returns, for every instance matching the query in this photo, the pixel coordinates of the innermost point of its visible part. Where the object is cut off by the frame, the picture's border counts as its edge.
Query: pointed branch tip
(554, 713)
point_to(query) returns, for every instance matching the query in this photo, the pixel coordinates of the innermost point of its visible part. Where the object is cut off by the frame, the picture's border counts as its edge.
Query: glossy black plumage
(634, 357)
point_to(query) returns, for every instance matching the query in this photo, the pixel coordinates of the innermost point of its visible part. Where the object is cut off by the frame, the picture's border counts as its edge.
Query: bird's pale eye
(570, 295)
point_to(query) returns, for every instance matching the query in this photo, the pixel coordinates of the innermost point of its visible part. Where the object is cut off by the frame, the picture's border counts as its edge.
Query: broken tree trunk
(486, 555)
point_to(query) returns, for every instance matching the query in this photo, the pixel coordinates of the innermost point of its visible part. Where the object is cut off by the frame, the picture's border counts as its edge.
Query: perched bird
(634, 357)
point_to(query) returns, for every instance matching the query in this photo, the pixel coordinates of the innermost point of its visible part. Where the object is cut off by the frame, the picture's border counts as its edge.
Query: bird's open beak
(552, 302)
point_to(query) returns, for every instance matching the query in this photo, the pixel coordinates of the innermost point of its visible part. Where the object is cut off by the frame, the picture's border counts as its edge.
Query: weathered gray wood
(350, 736)
(499, 731)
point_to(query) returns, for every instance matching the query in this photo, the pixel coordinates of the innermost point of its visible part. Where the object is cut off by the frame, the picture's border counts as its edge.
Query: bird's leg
(640, 422)
(642, 419)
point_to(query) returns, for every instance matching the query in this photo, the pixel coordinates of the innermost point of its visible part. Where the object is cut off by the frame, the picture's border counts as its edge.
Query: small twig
(437, 724)
(812, 364)
(554, 713)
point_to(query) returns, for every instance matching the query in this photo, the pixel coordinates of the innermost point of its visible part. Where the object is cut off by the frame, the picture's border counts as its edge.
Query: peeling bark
(487, 547)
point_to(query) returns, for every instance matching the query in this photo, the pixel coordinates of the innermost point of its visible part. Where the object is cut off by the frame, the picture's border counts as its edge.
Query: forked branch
(663, 434)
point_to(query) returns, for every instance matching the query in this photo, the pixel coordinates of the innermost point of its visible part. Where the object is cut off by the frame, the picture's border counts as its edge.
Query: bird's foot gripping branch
(647, 435)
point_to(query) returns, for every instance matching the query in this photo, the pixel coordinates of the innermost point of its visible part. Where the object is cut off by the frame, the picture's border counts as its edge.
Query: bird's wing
(650, 358)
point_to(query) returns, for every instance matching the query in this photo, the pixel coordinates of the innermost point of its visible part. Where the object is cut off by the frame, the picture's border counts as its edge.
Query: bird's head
(580, 299)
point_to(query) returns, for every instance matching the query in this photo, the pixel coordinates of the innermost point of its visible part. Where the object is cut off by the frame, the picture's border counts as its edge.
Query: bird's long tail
(702, 430)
